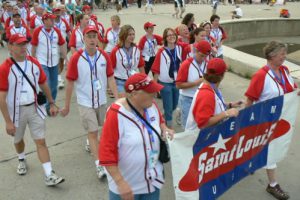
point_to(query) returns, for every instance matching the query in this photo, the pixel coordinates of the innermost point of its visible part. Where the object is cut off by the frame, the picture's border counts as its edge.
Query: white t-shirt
(239, 12)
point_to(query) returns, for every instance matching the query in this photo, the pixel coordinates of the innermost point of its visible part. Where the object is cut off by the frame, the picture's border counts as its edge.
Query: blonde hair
(117, 18)
(124, 32)
(272, 49)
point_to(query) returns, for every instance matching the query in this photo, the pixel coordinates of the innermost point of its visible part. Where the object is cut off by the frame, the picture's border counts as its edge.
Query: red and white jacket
(63, 26)
(10, 22)
(126, 143)
(162, 62)
(36, 21)
(190, 71)
(11, 82)
(23, 13)
(218, 34)
(120, 62)
(149, 46)
(79, 71)
(264, 85)
(68, 19)
(47, 50)
(205, 104)
(76, 39)
(111, 39)
(4, 16)
(23, 30)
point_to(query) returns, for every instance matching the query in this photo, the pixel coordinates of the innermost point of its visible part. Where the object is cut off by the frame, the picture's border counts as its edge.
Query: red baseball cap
(216, 66)
(55, 10)
(93, 17)
(90, 29)
(86, 7)
(140, 81)
(17, 39)
(203, 46)
(48, 16)
(149, 24)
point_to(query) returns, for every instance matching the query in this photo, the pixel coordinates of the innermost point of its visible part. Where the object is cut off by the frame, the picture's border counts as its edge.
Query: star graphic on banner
(220, 144)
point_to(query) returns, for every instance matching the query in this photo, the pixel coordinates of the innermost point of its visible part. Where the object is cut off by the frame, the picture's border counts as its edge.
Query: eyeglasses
(171, 35)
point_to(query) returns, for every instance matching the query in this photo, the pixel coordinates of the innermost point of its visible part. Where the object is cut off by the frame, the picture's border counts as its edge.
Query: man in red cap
(48, 46)
(24, 108)
(190, 76)
(208, 106)
(90, 69)
(148, 45)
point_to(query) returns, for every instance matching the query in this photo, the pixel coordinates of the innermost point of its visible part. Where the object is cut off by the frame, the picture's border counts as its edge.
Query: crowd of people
(187, 67)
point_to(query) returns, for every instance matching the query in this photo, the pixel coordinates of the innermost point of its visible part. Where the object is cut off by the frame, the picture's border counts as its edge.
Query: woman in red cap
(126, 58)
(190, 76)
(165, 69)
(130, 144)
(208, 107)
(148, 45)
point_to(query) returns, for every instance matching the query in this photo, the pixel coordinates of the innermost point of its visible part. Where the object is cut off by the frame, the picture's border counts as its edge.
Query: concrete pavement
(66, 138)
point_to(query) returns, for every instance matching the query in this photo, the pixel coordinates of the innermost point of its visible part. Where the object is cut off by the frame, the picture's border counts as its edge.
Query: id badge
(147, 58)
(153, 158)
(97, 84)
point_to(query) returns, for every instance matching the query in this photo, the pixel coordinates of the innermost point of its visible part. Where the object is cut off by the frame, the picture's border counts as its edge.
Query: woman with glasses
(126, 58)
(165, 69)
(190, 76)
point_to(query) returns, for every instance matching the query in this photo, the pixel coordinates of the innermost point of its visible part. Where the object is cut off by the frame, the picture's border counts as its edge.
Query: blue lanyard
(280, 80)
(58, 24)
(173, 57)
(50, 36)
(219, 94)
(25, 69)
(128, 56)
(92, 65)
(146, 126)
(151, 47)
(216, 33)
(199, 66)
(115, 36)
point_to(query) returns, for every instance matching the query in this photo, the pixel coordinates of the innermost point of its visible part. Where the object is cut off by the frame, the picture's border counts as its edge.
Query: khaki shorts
(92, 118)
(28, 115)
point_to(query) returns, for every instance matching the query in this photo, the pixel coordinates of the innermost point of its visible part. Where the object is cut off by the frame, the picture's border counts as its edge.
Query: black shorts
(148, 64)
(180, 3)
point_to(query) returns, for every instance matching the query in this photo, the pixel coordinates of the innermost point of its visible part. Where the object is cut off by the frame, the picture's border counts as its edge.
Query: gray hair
(273, 48)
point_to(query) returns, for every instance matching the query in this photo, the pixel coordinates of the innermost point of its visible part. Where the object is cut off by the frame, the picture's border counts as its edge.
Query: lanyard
(199, 66)
(145, 125)
(280, 79)
(81, 36)
(151, 47)
(128, 56)
(92, 65)
(219, 94)
(216, 32)
(58, 24)
(25, 69)
(115, 36)
(173, 57)
(50, 36)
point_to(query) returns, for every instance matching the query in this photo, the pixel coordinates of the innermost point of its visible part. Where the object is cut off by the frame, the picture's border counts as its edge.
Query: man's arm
(10, 127)
(112, 85)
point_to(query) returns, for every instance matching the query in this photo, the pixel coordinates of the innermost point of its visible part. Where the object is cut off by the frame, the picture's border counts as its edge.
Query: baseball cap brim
(21, 40)
(153, 87)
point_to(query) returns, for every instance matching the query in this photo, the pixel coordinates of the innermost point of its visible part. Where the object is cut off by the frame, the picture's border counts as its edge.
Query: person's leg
(273, 187)
(151, 196)
(53, 73)
(175, 96)
(185, 104)
(166, 95)
(113, 196)
(120, 87)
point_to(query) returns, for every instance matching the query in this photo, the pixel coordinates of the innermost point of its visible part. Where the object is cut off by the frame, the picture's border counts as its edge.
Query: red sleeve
(4, 72)
(28, 35)
(113, 57)
(68, 29)
(186, 51)
(108, 147)
(183, 71)
(72, 71)
(23, 22)
(2, 18)
(35, 36)
(224, 35)
(156, 64)
(100, 37)
(161, 118)
(141, 61)
(105, 37)
(7, 23)
(61, 40)
(43, 77)
(32, 22)
(28, 16)
(204, 107)
(109, 68)
(256, 85)
(142, 43)
(8, 34)
(159, 39)
(72, 42)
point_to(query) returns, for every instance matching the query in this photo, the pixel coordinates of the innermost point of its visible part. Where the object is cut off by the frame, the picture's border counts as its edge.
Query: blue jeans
(150, 196)
(185, 105)
(169, 95)
(52, 79)
(120, 85)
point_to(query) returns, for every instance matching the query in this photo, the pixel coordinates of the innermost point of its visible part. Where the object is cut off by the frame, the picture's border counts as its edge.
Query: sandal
(277, 192)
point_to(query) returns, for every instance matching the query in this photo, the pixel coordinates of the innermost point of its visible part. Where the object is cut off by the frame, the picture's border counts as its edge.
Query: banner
(207, 164)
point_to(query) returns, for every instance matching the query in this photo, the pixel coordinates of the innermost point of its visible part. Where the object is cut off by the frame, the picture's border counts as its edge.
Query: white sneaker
(61, 84)
(100, 172)
(22, 167)
(178, 116)
(87, 146)
(53, 179)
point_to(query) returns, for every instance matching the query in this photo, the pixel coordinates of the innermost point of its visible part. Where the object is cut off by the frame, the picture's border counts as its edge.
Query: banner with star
(206, 164)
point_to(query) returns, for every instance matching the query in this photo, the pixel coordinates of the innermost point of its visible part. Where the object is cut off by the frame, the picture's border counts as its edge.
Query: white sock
(21, 156)
(273, 184)
(97, 163)
(47, 168)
